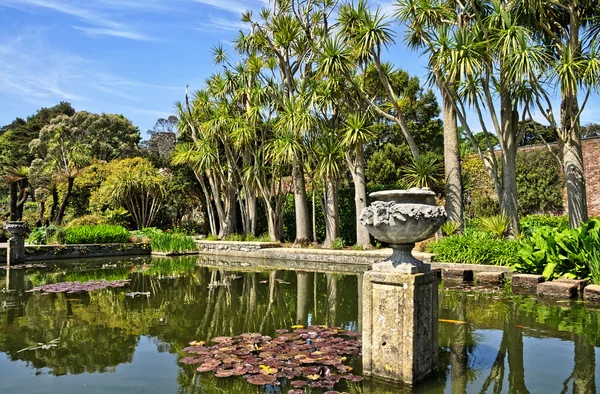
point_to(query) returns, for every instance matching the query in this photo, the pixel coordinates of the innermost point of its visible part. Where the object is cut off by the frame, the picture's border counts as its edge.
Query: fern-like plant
(497, 225)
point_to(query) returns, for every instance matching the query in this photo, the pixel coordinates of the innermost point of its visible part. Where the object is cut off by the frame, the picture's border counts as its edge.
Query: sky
(132, 57)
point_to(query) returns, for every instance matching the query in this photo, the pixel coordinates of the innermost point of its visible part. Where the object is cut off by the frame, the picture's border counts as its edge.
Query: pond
(108, 342)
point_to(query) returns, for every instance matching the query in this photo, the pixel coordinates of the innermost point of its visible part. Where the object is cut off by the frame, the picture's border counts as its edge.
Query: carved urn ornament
(16, 229)
(401, 218)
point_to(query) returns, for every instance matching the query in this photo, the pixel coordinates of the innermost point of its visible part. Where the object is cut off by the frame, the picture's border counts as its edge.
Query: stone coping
(56, 252)
(260, 244)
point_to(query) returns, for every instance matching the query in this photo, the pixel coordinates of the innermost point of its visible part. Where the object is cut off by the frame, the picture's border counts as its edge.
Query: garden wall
(235, 246)
(53, 252)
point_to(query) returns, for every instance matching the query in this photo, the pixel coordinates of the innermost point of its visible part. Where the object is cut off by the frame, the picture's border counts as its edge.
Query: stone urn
(16, 243)
(401, 218)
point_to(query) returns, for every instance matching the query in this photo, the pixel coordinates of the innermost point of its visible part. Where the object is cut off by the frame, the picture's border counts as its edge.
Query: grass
(245, 238)
(100, 234)
(165, 243)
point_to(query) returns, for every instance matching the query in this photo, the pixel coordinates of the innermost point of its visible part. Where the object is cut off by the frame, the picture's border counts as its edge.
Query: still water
(107, 342)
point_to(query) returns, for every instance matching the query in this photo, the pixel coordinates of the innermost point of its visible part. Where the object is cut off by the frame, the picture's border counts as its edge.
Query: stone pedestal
(400, 325)
(15, 253)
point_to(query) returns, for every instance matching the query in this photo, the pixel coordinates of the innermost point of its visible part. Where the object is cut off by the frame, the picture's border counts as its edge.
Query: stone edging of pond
(54, 252)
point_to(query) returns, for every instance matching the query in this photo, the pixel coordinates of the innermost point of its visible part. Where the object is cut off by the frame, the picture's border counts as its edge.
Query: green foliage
(530, 223)
(212, 237)
(539, 185)
(475, 247)
(449, 227)
(100, 234)
(118, 216)
(247, 238)
(426, 171)
(555, 253)
(135, 184)
(87, 220)
(165, 242)
(15, 137)
(384, 166)
(41, 235)
(539, 182)
(497, 225)
(338, 243)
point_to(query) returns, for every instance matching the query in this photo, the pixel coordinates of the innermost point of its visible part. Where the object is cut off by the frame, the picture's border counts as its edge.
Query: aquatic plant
(164, 242)
(78, 287)
(312, 356)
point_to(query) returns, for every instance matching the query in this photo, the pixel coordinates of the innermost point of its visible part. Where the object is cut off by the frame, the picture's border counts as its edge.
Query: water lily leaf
(265, 369)
(197, 343)
(314, 376)
(298, 326)
(298, 383)
(261, 379)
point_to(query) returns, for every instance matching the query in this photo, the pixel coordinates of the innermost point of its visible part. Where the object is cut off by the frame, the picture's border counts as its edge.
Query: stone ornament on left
(16, 243)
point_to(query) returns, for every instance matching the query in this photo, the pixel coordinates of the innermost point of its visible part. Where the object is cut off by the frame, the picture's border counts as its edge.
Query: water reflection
(510, 344)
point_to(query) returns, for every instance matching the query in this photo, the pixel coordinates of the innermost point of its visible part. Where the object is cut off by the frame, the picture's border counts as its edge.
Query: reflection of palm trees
(584, 371)
(332, 299)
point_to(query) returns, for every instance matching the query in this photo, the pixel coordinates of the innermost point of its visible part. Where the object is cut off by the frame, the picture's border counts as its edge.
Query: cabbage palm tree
(424, 19)
(17, 178)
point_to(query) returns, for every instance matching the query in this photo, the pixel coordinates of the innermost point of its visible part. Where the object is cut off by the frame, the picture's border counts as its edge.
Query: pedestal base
(402, 261)
(15, 251)
(400, 326)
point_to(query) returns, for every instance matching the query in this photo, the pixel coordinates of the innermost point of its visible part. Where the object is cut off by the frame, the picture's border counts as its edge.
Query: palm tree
(423, 20)
(356, 133)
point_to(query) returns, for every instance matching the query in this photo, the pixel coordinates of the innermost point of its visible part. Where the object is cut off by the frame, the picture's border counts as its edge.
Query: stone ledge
(527, 280)
(460, 274)
(580, 283)
(489, 278)
(54, 252)
(591, 292)
(557, 289)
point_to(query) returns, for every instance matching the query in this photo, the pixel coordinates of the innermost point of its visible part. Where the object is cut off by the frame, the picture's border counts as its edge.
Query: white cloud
(33, 71)
(226, 5)
(100, 16)
(222, 24)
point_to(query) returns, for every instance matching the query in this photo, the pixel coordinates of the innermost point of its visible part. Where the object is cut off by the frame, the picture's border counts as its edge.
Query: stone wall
(53, 252)
(234, 246)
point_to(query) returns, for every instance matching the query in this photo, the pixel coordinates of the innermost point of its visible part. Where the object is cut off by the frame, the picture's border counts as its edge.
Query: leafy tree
(69, 143)
(135, 184)
(591, 130)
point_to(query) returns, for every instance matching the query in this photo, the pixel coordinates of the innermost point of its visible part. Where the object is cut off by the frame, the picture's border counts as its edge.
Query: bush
(532, 222)
(100, 234)
(539, 182)
(246, 238)
(164, 242)
(42, 235)
(87, 220)
(449, 227)
(338, 243)
(573, 254)
(475, 247)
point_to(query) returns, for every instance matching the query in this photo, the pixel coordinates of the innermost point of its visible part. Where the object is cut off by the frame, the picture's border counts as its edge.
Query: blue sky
(133, 57)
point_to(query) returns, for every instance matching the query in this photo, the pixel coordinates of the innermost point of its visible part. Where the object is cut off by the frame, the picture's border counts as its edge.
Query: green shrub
(246, 238)
(86, 220)
(164, 242)
(539, 182)
(118, 217)
(475, 247)
(497, 225)
(100, 234)
(41, 235)
(212, 237)
(338, 243)
(530, 223)
(573, 254)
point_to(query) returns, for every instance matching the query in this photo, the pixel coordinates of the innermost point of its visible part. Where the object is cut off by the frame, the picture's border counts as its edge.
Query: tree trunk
(573, 162)
(454, 193)
(230, 214)
(508, 198)
(331, 212)
(54, 205)
(13, 201)
(65, 201)
(360, 196)
(252, 219)
(300, 204)
(41, 213)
